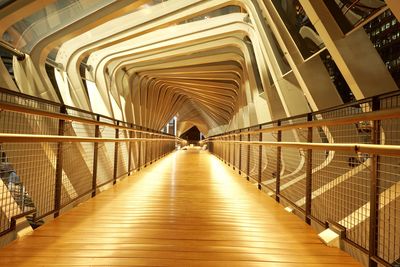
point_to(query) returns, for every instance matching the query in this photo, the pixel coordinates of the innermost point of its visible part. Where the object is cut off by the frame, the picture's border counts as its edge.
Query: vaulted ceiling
(216, 64)
(142, 61)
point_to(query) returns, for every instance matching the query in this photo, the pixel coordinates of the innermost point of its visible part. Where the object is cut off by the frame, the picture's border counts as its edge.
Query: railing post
(59, 166)
(309, 173)
(224, 149)
(158, 144)
(139, 135)
(116, 155)
(260, 137)
(240, 152)
(145, 152)
(130, 135)
(152, 148)
(278, 165)
(95, 157)
(229, 150)
(374, 193)
(248, 157)
(234, 151)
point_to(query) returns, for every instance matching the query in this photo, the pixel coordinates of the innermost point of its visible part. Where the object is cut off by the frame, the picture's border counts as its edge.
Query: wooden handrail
(368, 116)
(66, 117)
(389, 150)
(31, 138)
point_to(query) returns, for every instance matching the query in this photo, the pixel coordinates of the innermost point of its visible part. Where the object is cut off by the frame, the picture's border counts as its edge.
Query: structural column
(353, 53)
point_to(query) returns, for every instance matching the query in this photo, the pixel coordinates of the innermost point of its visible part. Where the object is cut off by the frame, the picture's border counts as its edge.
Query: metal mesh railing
(338, 166)
(53, 156)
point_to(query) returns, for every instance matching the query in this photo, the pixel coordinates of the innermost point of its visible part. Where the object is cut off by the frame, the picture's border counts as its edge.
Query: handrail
(30, 97)
(356, 157)
(368, 116)
(123, 154)
(368, 100)
(66, 117)
(392, 150)
(31, 138)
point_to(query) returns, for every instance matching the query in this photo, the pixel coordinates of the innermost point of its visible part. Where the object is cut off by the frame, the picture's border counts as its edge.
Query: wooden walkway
(188, 209)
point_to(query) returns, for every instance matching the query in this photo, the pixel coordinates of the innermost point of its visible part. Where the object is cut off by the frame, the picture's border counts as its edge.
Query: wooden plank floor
(188, 209)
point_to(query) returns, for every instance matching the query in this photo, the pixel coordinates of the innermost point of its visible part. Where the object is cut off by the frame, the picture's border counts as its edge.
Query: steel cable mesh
(153, 151)
(140, 147)
(12, 122)
(389, 208)
(293, 174)
(123, 154)
(236, 151)
(108, 132)
(10, 97)
(146, 155)
(81, 114)
(340, 181)
(388, 182)
(269, 159)
(105, 156)
(346, 110)
(293, 163)
(79, 129)
(389, 101)
(149, 149)
(223, 149)
(216, 147)
(254, 156)
(340, 192)
(28, 172)
(244, 153)
(231, 151)
(77, 170)
(135, 152)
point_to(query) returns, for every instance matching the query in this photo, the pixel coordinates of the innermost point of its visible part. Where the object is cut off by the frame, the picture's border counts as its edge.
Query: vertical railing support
(248, 157)
(260, 137)
(116, 155)
(151, 143)
(59, 166)
(240, 152)
(234, 152)
(145, 152)
(130, 135)
(278, 165)
(139, 142)
(222, 148)
(229, 150)
(309, 173)
(95, 157)
(374, 185)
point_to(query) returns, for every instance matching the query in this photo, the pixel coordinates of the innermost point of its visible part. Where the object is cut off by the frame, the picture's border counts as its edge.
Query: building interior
(200, 133)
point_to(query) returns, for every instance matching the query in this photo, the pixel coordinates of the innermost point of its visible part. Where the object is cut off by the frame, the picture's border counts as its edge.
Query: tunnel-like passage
(298, 96)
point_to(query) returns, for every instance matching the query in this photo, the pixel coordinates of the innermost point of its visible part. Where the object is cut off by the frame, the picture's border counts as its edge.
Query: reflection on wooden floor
(188, 209)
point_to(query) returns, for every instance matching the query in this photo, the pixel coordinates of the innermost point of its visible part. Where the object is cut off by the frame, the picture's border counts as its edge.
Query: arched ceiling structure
(216, 64)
